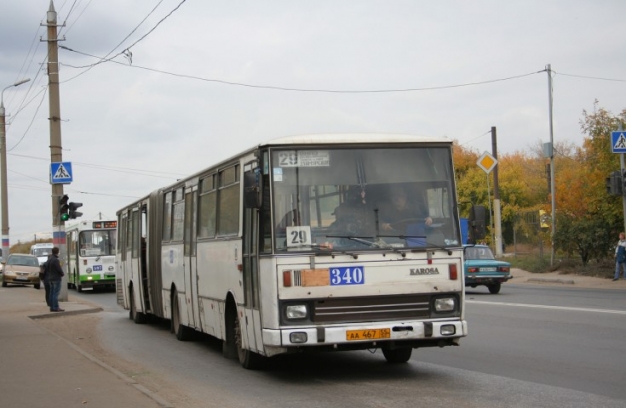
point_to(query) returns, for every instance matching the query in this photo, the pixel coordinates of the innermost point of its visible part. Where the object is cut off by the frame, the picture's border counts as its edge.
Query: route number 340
(352, 275)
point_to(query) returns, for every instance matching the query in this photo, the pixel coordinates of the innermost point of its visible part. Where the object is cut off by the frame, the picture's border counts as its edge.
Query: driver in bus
(397, 214)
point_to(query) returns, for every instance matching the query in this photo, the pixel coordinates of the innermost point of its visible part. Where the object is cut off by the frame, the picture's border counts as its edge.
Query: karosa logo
(424, 271)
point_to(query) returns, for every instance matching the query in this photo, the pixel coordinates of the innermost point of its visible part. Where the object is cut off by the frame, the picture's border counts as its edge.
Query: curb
(129, 380)
(66, 313)
(547, 280)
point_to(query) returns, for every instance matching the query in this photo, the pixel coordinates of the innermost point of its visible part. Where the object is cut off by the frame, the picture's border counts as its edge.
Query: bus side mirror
(252, 189)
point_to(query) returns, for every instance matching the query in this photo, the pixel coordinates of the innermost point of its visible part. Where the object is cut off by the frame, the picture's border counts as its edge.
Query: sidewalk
(40, 369)
(571, 280)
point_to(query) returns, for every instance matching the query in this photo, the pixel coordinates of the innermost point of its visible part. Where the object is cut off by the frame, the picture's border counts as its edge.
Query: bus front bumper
(368, 335)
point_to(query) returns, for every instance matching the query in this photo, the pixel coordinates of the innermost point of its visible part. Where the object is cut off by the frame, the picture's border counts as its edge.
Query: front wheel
(398, 355)
(248, 359)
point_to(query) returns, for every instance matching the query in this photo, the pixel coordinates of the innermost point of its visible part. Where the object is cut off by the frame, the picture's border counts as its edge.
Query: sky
(154, 90)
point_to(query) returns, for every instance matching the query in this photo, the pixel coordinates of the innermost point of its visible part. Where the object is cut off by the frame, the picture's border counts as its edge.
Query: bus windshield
(368, 198)
(97, 242)
(38, 252)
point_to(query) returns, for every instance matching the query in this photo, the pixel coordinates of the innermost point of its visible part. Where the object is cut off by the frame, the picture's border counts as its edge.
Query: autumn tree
(588, 219)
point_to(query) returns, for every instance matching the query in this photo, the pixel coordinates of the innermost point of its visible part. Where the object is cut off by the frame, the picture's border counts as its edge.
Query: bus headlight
(296, 312)
(445, 304)
(298, 337)
(448, 330)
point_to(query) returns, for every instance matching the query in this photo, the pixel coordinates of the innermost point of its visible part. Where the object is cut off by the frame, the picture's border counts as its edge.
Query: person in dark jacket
(44, 280)
(54, 274)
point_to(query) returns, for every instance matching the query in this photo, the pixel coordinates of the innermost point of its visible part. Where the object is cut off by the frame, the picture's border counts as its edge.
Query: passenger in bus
(398, 212)
(355, 216)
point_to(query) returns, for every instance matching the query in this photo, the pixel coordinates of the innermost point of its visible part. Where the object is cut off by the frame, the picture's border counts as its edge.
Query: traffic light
(63, 208)
(73, 214)
(477, 223)
(616, 183)
(544, 219)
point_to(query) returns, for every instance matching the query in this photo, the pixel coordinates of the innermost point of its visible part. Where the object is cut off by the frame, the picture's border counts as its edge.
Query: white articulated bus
(291, 247)
(91, 246)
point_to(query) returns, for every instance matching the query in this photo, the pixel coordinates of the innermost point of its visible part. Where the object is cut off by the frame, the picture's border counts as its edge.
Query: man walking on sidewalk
(55, 273)
(620, 256)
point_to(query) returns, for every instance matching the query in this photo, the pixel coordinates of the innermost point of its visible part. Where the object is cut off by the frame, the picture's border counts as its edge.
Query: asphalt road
(529, 346)
(565, 337)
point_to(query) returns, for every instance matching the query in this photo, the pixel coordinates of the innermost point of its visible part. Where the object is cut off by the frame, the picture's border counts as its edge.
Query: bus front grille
(362, 309)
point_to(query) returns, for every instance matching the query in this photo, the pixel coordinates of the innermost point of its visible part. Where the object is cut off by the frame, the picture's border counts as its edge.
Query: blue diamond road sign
(61, 173)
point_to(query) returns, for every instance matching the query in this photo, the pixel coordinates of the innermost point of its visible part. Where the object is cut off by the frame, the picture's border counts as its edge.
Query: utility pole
(6, 246)
(552, 183)
(622, 169)
(56, 147)
(496, 195)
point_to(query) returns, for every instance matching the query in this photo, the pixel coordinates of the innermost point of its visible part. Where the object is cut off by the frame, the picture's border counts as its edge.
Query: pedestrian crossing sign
(61, 173)
(618, 142)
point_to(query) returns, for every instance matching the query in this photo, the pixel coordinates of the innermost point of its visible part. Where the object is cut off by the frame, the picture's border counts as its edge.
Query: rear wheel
(398, 355)
(494, 287)
(4, 284)
(183, 333)
(37, 285)
(133, 314)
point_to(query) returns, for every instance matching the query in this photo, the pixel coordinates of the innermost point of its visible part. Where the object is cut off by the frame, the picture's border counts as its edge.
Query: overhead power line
(282, 88)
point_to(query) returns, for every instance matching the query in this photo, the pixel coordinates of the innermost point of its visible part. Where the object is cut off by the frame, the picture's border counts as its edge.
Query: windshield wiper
(379, 243)
(320, 248)
(427, 245)
(360, 240)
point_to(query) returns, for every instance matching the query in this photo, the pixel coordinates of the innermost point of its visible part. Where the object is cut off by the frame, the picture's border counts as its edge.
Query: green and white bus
(280, 249)
(91, 247)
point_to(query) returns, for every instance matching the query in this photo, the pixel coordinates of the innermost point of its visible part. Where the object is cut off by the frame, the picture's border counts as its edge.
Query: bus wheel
(230, 319)
(494, 288)
(134, 315)
(248, 359)
(399, 355)
(183, 333)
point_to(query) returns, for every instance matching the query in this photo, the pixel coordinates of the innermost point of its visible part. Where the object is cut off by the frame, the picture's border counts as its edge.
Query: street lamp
(6, 248)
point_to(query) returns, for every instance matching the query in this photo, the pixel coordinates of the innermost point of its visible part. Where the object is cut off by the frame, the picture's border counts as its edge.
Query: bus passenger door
(252, 331)
(191, 271)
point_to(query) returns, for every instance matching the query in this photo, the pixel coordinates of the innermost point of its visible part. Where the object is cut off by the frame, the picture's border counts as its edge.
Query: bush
(604, 268)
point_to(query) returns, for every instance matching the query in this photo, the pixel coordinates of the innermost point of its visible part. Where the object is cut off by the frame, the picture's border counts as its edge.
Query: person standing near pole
(43, 277)
(620, 256)
(55, 273)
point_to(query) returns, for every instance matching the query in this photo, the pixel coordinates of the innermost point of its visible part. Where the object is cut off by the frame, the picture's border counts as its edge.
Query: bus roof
(312, 139)
(341, 138)
(43, 245)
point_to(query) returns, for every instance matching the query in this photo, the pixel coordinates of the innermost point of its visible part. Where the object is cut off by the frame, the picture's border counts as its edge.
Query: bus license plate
(368, 334)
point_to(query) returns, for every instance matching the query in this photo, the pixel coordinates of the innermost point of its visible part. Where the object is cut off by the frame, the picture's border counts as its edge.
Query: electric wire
(102, 60)
(282, 88)
(141, 172)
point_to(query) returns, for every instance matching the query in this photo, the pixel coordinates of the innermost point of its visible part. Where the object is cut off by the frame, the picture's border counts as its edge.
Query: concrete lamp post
(6, 248)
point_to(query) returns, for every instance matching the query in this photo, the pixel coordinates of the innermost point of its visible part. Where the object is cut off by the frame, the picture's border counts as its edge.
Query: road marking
(577, 309)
